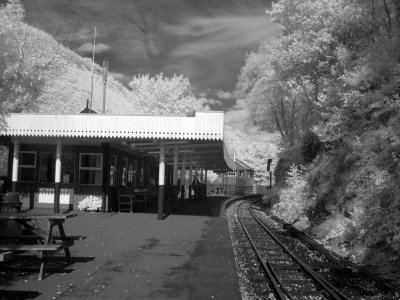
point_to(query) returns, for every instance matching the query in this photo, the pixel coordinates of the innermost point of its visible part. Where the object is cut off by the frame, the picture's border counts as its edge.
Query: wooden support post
(205, 182)
(183, 178)
(175, 171)
(57, 178)
(106, 177)
(14, 177)
(161, 181)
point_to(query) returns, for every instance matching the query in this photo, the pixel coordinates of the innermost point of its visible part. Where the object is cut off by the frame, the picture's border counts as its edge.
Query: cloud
(240, 104)
(236, 118)
(218, 34)
(214, 102)
(82, 34)
(117, 76)
(88, 48)
(224, 95)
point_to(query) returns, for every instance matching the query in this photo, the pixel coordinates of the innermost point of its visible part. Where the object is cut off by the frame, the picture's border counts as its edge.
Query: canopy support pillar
(15, 166)
(57, 178)
(161, 181)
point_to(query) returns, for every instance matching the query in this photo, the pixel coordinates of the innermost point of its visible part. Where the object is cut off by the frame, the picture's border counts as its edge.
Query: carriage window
(90, 168)
(27, 166)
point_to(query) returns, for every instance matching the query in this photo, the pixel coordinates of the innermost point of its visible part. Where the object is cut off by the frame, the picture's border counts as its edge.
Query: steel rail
(333, 291)
(277, 285)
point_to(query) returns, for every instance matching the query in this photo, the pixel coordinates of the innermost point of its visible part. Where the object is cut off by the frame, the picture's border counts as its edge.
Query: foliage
(24, 62)
(164, 96)
(337, 65)
(90, 203)
(37, 73)
(295, 200)
(254, 154)
(213, 178)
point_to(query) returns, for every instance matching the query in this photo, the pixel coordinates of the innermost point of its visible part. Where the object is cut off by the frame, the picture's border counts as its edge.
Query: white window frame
(91, 168)
(20, 166)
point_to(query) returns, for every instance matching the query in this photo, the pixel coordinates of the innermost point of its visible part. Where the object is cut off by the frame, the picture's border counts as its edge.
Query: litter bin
(9, 203)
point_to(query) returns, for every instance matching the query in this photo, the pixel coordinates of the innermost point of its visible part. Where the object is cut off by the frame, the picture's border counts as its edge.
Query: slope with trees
(37, 73)
(330, 84)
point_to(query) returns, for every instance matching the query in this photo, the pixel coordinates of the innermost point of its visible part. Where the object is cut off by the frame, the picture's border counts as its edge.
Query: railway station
(59, 160)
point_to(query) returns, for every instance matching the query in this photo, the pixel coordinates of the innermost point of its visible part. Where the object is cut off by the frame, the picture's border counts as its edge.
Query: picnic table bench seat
(33, 239)
(37, 247)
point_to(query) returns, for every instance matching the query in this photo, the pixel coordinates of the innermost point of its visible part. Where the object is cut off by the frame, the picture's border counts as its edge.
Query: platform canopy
(200, 137)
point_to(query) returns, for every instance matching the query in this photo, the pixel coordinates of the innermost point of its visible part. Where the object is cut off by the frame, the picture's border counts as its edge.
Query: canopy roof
(240, 165)
(198, 137)
(202, 126)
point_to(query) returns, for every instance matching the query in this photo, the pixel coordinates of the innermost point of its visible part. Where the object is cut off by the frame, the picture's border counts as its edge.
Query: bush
(337, 232)
(295, 200)
(287, 158)
(90, 203)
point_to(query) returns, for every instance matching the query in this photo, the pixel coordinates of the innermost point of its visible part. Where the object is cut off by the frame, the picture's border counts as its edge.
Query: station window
(113, 170)
(132, 170)
(47, 167)
(27, 166)
(90, 168)
(141, 174)
(68, 168)
(124, 172)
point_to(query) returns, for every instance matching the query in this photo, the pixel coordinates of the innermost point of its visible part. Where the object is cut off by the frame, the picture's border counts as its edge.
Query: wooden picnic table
(34, 238)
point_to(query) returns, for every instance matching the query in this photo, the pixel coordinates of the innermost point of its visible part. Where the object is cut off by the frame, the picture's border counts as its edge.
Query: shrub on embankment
(348, 196)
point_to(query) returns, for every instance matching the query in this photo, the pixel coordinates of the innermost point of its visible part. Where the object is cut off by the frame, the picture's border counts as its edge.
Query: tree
(164, 95)
(339, 61)
(26, 61)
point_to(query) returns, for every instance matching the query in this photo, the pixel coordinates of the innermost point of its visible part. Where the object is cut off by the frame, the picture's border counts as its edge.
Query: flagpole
(91, 89)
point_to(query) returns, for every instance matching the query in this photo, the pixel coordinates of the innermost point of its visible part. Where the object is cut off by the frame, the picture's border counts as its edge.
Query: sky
(204, 40)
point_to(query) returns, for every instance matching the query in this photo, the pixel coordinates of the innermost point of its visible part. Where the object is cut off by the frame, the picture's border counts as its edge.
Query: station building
(57, 160)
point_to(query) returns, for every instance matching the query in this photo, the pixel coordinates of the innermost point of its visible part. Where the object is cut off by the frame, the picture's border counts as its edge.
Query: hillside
(67, 88)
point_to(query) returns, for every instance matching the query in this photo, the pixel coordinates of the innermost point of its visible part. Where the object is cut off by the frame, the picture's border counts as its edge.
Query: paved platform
(135, 256)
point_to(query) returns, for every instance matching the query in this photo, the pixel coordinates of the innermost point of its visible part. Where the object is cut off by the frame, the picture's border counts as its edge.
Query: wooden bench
(33, 238)
(141, 196)
(10, 251)
(129, 198)
(36, 247)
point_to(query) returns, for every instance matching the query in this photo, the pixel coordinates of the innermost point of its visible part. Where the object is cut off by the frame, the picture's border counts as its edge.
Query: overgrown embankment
(348, 196)
(330, 85)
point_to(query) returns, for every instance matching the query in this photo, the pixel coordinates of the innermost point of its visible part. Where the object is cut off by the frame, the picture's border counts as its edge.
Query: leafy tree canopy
(164, 95)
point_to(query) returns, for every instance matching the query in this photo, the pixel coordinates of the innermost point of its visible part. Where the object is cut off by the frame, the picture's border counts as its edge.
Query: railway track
(294, 271)
(288, 276)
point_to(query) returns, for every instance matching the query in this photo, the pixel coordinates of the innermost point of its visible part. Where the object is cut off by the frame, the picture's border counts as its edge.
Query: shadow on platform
(14, 270)
(18, 295)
